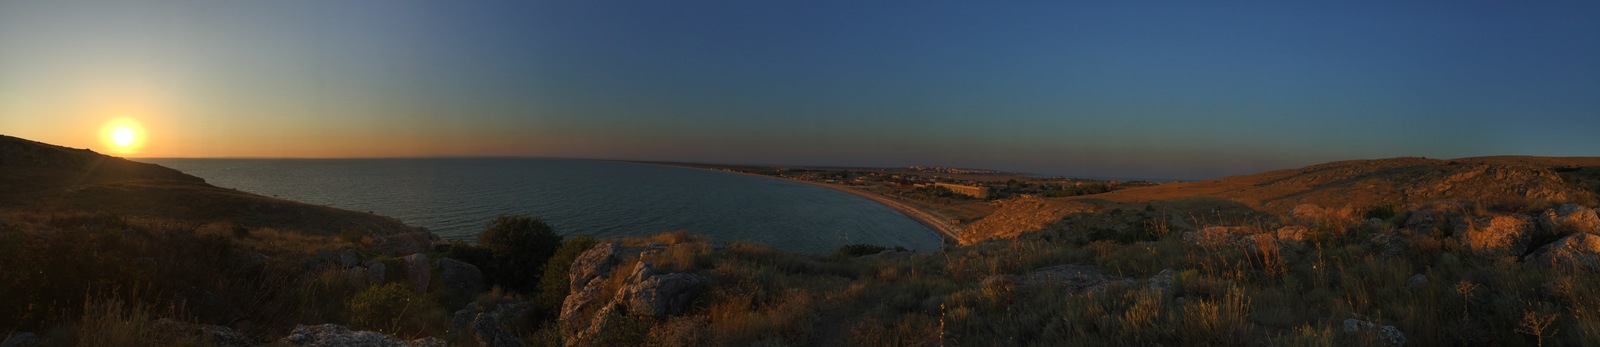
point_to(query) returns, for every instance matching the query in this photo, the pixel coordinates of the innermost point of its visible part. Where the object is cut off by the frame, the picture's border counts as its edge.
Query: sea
(455, 198)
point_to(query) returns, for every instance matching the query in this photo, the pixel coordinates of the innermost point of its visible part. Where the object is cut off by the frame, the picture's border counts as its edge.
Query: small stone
(1417, 282)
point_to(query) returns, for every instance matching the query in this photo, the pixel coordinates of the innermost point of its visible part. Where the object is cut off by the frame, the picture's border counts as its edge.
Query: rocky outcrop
(650, 294)
(593, 304)
(1571, 218)
(459, 278)
(488, 324)
(1387, 334)
(419, 271)
(333, 335)
(1577, 252)
(1502, 236)
(167, 329)
(377, 273)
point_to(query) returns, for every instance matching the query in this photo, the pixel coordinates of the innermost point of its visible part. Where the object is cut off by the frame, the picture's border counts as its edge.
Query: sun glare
(122, 136)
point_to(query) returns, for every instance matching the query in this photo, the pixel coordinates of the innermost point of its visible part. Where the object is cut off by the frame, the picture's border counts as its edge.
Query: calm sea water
(455, 198)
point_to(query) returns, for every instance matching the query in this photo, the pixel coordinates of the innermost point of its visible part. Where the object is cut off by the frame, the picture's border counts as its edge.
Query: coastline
(946, 232)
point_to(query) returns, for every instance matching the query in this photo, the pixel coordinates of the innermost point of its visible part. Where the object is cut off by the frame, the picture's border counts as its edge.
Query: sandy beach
(940, 226)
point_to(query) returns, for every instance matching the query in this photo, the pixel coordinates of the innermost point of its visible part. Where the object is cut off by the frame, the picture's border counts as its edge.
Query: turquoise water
(455, 197)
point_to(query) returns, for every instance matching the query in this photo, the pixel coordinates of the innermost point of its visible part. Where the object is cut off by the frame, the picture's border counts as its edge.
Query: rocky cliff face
(598, 300)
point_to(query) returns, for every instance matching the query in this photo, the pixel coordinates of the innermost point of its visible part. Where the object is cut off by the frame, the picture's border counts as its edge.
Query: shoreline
(946, 232)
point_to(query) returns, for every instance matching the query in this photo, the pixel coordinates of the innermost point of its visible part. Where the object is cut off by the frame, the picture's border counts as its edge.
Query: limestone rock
(1577, 251)
(1438, 216)
(1387, 333)
(173, 330)
(460, 279)
(419, 271)
(1571, 218)
(348, 259)
(594, 263)
(334, 335)
(1502, 236)
(1294, 233)
(1162, 281)
(661, 295)
(490, 332)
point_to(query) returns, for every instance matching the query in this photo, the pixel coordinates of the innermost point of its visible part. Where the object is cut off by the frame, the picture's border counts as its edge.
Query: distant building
(976, 192)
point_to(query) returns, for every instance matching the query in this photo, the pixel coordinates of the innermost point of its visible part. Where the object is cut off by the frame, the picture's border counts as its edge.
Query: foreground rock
(593, 305)
(460, 279)
(167, 329)
(1575, 252)
(1387, 334)
(1571, 218)
(419, 271)
(333, 335)
(1502, 236)
(488, 324)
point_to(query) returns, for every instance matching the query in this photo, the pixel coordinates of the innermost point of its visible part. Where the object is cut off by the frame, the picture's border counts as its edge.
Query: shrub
(553, 285)
(383, 308)
(521, 245)
(856, 250)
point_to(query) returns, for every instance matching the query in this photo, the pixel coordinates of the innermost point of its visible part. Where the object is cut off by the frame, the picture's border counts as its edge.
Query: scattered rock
(376, 272)
(1571, 218)
(419, 271)
(1438, 216)
(349, 259)
(1387, 333)
(1074, 277)
(1502, 236)
(1577, 251)
(1162, 281)
(22, 339)
(168, 329)
(334, 335)
(459, 278)
(1417, 282)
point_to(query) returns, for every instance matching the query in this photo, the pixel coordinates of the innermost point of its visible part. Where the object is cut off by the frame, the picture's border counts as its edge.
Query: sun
(122, 136)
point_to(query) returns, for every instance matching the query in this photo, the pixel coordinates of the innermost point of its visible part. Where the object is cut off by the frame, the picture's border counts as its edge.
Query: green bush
(384, 308)
(521, 245)
(553, 285)
(857, 250)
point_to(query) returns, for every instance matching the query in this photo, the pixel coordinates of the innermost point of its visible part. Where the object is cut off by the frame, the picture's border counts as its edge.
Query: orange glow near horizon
(123, 136)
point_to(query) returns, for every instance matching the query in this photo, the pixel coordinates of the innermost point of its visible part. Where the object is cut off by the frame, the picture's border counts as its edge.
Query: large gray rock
(1386, 334)
(333, 335)
(377, 273)
(348, 259)
(168, 329)
(490, 332)
(1502, 236)
(419, 271)
(1575, 252)
(593, 263)
(649, 294)
(1571, 218)
(22, 339)
(459, 278)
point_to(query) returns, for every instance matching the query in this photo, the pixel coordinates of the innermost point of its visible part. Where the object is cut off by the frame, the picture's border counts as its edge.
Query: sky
(1123, 89)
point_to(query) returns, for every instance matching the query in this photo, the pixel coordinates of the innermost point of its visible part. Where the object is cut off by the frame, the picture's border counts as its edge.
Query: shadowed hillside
(40, 177)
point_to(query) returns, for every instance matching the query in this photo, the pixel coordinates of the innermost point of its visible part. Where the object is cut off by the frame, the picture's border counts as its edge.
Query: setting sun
(123, 136)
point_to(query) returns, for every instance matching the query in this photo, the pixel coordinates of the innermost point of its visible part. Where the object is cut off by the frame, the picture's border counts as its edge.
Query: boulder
(1502, 236)
(459, 278)
(334, 335)
(1571, 218)
(490, 332)
(1387, 333)
(403, 243)
(348, 259)
(1162, 281)
(22, 339)
(419, 271)
(593, 263)
(376, 272)
(1577, 252)
(1417, 282)
(167, 329)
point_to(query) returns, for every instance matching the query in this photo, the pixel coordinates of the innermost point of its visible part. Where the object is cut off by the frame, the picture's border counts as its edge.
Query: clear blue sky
(1103, 89)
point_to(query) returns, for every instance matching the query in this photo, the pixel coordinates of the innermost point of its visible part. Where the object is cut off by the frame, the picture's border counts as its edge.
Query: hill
(37, 177)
